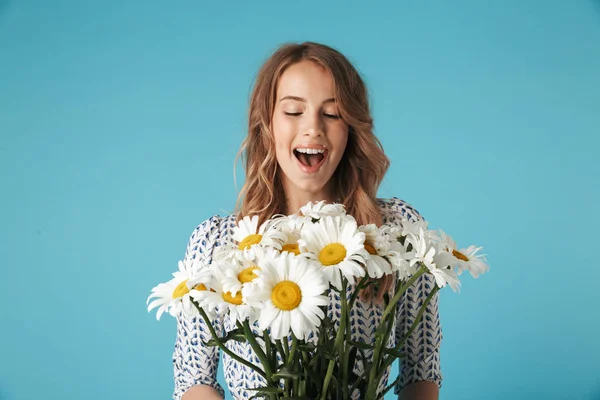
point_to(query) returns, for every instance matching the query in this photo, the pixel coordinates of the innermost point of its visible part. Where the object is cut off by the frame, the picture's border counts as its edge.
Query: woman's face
(310, 137)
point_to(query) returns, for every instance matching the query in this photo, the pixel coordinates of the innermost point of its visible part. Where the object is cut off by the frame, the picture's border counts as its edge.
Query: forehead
(306, 79)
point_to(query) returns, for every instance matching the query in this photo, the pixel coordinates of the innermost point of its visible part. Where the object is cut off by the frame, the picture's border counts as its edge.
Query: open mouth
(310, 160)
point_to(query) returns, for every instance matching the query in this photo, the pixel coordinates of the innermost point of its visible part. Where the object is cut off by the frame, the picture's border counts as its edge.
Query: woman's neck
(294, 203)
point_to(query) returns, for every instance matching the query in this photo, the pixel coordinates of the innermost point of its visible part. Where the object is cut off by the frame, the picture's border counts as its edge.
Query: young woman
(310, 138)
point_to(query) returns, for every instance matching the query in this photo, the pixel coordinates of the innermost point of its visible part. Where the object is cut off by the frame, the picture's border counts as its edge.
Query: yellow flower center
(369, 247)
(286, 295)
(200, 286)
(292, 248)
(181, 290)
(459, 255)
(249, 240)
(332, 254)
(248, 274)
(237, 299)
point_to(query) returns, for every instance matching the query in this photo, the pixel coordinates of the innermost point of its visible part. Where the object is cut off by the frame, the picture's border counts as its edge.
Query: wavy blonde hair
(363, 165)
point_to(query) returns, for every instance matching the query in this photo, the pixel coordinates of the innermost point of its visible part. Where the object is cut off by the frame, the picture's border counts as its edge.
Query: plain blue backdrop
(120, 122)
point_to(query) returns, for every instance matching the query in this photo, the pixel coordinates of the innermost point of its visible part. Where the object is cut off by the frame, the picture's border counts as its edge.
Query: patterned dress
(194, 364)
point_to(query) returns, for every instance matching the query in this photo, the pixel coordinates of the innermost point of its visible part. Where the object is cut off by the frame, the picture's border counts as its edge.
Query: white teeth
(310, 151)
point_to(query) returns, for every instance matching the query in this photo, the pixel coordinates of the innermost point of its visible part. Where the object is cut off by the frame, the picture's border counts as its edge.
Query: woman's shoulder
(394, 209)
(212, 232)
(216, 220)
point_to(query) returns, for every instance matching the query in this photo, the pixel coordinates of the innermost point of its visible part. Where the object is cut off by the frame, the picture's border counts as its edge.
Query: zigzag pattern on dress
(195, 364)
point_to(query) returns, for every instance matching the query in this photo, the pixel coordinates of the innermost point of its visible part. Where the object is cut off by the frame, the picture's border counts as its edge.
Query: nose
(314, 125)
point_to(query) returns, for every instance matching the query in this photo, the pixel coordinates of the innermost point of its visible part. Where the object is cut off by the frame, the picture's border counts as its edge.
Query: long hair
(363, 165)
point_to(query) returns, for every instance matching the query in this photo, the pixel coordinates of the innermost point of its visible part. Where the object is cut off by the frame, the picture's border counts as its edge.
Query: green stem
(292, 353)
(286, 347)
(285, 359)
(280, 350)
(343, 351)
(258, 350)
(293, 364)
(327, 379)
(323, 339)
(269, 349)
(302, 391)
(338, 341)
(223, 347)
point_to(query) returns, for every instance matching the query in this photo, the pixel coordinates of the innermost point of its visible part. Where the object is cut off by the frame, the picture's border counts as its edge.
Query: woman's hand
(422, 390)
(202, 392)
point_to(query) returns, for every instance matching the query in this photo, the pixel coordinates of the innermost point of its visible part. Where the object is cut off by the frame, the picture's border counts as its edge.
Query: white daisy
(227, 253)
(219, 300)
(289, 292)
(425, 253)
(201, 280)
(469, 260)
(174, 296)
(337, 245)
(242, 270)
(423, 249)
(320, 209)
(464, 259)
(445, 276)
(414, 227)
(247, 234)
(292, 235)
(398, 254)
(378, 247)
(312, 212)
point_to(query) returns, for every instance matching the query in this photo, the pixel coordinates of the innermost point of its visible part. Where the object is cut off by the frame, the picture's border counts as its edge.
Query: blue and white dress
(195, 364)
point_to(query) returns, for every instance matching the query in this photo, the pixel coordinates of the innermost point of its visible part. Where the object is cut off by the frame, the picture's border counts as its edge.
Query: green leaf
(284, 373)
(307, 347)
(236, 334)
(326, 323)
(326, 352)
(361, 345)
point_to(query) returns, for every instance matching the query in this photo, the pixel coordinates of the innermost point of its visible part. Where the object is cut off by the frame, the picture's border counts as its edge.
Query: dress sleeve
(422, 348)
(193, 363)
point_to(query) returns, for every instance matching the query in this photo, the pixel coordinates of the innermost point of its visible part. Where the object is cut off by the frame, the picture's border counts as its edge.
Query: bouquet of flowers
(274, 282)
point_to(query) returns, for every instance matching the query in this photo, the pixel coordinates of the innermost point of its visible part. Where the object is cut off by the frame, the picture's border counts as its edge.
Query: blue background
(119, 125)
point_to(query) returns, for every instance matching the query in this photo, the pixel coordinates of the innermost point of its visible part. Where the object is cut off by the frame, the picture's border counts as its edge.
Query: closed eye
(296, 114)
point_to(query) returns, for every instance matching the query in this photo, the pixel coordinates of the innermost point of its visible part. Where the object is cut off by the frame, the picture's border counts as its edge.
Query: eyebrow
(303, 100)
